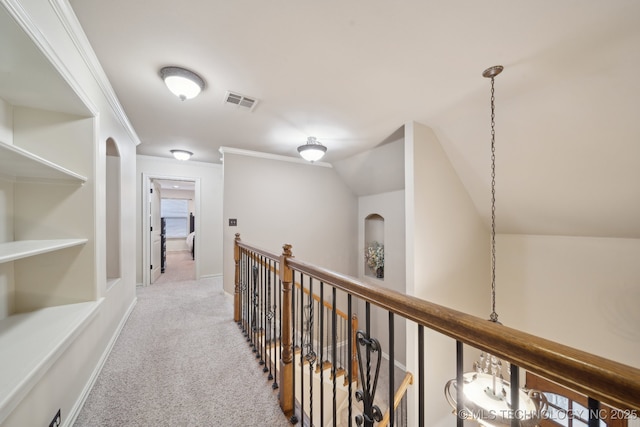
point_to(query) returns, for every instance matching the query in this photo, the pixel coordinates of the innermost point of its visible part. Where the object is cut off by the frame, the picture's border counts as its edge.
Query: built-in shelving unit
(19, 164)
(48, 289)
(12, 251)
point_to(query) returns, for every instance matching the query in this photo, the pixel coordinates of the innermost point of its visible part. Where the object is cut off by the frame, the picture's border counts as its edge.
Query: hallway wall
(283, 201)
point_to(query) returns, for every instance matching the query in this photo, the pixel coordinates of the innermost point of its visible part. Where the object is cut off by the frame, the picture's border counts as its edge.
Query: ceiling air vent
(240, 101)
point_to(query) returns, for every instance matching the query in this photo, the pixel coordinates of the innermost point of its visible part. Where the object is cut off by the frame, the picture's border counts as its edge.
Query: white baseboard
(75, 410)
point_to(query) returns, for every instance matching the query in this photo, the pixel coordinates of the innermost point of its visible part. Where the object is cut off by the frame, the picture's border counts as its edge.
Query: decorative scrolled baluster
(309, 354)
(270, 314)
(372, 413)
(254, 301)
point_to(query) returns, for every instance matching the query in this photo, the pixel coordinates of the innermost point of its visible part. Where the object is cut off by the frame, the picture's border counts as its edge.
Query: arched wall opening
(113, 214)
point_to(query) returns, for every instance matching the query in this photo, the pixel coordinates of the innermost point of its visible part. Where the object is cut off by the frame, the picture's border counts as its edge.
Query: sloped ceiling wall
(375, 171)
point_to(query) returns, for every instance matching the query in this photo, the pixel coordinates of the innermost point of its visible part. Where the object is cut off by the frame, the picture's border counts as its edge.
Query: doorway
(170, 223)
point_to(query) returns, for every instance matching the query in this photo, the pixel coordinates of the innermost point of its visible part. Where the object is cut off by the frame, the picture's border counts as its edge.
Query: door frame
(146, 234)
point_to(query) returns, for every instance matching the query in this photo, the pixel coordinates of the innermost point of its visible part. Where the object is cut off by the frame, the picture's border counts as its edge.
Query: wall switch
(233, 222)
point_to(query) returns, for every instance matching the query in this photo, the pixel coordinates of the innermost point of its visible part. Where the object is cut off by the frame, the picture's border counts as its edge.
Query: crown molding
(72, 26)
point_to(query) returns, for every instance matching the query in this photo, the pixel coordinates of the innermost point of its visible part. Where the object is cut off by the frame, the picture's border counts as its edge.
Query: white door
(154, 220)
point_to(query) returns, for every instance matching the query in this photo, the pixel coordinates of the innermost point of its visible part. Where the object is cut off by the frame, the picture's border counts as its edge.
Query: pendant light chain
(493, 316)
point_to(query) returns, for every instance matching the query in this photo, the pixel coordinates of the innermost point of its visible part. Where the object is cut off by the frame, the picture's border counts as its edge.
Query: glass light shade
(312, 151)
(486, 401)
(183, 83)
(182, 154)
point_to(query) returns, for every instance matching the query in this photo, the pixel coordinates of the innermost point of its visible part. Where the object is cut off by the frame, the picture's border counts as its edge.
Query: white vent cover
(240, 101)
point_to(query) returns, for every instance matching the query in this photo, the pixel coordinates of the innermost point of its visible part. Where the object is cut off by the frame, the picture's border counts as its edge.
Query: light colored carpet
(181, 361)
(178, 268)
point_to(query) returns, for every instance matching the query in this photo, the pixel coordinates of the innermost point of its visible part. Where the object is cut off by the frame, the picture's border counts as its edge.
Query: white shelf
(32, 342)
(11, 251)
(19, 164)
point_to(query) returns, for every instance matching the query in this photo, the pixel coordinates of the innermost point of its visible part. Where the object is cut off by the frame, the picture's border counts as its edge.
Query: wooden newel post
(286, 362)
(237, 291)
(354, 350)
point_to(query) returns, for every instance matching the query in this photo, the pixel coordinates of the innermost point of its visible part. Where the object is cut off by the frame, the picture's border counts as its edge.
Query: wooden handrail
(602, 379)
(402, 390)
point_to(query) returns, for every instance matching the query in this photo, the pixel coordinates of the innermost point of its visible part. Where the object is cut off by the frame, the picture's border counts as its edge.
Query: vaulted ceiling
(351, 73)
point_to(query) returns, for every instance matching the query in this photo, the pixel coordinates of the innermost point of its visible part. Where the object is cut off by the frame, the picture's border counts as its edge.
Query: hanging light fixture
(182, 154)
(487, 396)
(312, 150)
(181, 82)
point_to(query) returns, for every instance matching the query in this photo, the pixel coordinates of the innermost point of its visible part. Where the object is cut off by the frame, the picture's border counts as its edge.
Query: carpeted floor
(181, 361)
(178, 268)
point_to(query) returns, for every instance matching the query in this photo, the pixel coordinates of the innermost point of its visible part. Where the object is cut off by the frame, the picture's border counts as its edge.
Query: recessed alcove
(374, 245)
(112, 194)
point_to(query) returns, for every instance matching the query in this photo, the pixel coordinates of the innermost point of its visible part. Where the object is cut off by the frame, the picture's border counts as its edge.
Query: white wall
(209, 237)
(278, 202)
(375, 171)
(580, 291)
(446, 262)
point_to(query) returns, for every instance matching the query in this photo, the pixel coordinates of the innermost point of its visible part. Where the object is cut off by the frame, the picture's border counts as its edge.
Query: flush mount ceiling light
(181, 82)
(483, 394)
(182, 154)
(312, 150)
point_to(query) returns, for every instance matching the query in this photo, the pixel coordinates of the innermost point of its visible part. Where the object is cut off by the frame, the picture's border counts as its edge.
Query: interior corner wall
(277, 202)
(583, 292)
(447, 258)
(210, 233)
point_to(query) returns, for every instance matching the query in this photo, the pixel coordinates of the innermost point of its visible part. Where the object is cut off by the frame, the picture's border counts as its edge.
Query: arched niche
(374, 245)
(112, 194)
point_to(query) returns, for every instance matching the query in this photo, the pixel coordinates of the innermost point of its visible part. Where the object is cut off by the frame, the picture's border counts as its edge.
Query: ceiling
(351, 73)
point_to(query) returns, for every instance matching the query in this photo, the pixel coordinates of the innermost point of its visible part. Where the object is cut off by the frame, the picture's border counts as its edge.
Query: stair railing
(602, 380)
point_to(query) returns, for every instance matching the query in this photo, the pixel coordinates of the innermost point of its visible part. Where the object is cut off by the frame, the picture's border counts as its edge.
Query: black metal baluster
(254, 307)
(294, 418)
(247, 289)
(334, 351)
(515, 395)
(259, 332)
(270, 318)
(420, 376)
(311, 355)
(349, 361)
(249, 294)
(322, 355)
(265, 315)
(241, 284)
(277, 336)
(391, 370)
(459, 384)
(302, 328)
(594, 412)
(366, 394)
(243, 288)
(341, 341)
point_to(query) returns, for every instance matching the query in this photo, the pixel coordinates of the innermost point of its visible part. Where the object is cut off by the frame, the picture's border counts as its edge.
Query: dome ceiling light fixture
(182, 154)
(483, 394)
(181, 82)
(313, 150)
